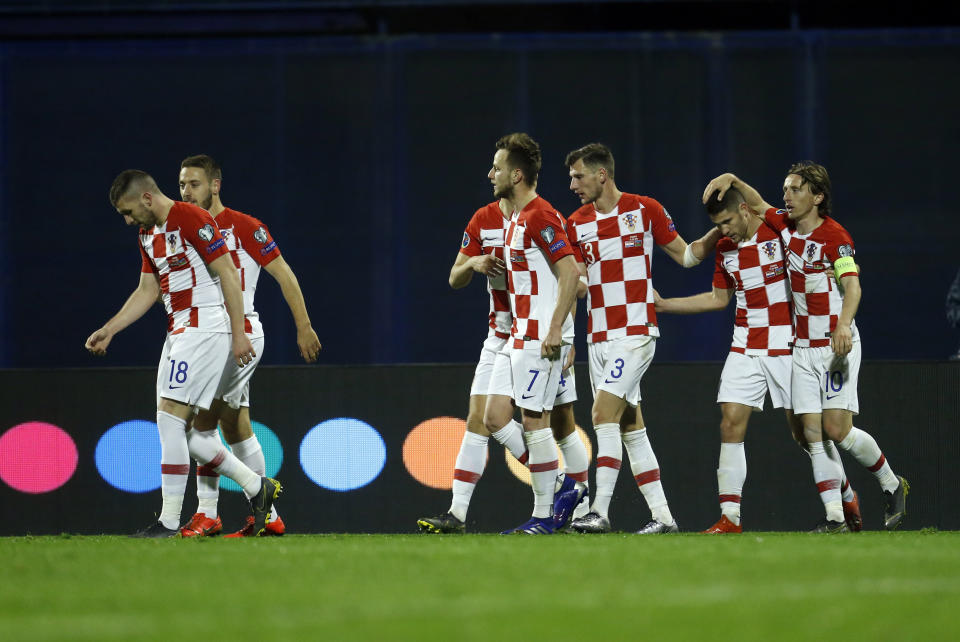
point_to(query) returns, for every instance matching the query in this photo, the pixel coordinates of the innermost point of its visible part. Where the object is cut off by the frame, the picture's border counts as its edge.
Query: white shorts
(747, 380)
(825, 381)
(536, 380)
(618, 365)
(484, 372)
(501, 378)
(191, 366)
(567, 386)
(235, 384)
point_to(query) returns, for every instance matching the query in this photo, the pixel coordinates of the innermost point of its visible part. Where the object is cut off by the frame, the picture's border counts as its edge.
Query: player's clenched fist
(98, 341)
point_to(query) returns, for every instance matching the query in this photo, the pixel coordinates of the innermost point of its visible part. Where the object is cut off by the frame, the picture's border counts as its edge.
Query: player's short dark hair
(523, 153)
(730, 202)
(206, 163)
(130, 179)
(594, 156)
(819, 181)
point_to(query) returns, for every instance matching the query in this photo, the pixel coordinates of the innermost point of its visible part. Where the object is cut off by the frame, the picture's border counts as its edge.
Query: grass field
(758, 586)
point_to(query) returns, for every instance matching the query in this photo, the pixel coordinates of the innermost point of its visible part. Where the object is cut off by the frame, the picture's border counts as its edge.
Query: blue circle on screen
(272, 454)
(128, 456)
(342, 454)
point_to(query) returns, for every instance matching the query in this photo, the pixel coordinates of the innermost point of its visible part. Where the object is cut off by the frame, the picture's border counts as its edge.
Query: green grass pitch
(756, 586)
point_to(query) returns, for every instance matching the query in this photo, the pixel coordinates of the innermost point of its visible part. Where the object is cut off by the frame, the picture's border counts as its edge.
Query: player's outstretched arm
(726, 181)
(712, 301)
(689, 255)
(136, 306)
(307, 339)
(224, 268)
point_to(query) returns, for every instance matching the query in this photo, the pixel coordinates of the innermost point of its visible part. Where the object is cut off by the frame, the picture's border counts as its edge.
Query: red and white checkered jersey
(756, 270)
(177, 252)
(618, 249)
(484, 235)
(536, 239)
(251, 247)
(817, 297)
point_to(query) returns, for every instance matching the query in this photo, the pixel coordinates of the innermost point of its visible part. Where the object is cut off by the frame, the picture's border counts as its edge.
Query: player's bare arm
(224, 268)
(463, 268)
(582, 288)
(842, 338)
(689, 255)
(567, 276)
(307, 339)
(717, 299)
(726, 181)
(136, 306)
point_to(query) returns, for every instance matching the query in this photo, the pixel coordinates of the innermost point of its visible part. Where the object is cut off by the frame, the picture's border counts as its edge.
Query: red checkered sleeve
(199, 229)
(254, 237)
(547, 232)
(661, 225)
(146, 265)
(721, 278)
(472, 244)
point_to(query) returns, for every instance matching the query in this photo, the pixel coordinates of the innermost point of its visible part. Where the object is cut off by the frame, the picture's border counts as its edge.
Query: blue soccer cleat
(565, 501)
(535, 526)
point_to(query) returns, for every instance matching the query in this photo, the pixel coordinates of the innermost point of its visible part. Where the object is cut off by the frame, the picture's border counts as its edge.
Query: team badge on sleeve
(206, 232)
(845, 250)
(260, 236)
(547, 234)
(466, 240)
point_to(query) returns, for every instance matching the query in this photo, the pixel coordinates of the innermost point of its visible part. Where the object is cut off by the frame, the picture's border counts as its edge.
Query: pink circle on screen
(37, 457)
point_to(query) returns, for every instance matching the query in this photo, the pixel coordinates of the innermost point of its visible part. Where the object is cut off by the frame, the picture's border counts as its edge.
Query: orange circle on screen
(522, 473)
(430, 451)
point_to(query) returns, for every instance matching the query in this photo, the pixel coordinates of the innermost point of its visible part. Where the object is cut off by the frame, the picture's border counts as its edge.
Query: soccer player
(481, 251)
(185, 260)
(542, 282)
(613, 235)
(749, 264)
(251, 247)
(826, 292)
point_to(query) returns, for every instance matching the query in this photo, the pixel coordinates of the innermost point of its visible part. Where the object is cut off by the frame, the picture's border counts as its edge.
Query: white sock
(511, 437)
(208, 480)
(250, 453)
(609, 457)
(846, 491)
(731, 475)
(174, 467)
(220, 459)
(865, 450)
(576, 462)
(470, 462)
(646, 472)
(827, 477)
(543, 469)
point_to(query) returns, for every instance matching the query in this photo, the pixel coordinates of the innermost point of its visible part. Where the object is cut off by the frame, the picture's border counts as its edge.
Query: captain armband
(844, 265)
(689, 260)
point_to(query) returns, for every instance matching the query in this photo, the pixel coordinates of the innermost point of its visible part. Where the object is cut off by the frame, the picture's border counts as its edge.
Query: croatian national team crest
(206, 232)
(172, 245)
(811, 251)
(769, 249)
(260, 236)
(630, 220)
(547, 234)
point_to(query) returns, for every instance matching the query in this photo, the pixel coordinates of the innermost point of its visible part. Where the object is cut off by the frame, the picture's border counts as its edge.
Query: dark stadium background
(361, 133)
